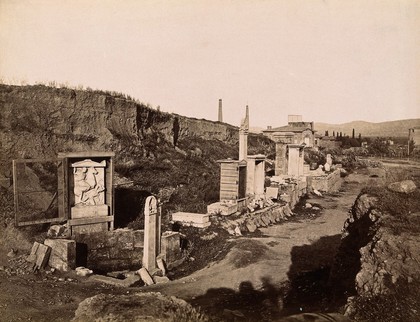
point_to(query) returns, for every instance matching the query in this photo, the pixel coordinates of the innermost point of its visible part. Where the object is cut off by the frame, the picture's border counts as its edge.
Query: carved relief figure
(89, 184)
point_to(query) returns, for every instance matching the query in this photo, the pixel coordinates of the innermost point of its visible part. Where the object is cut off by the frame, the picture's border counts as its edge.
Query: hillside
(367, 129)
(156, 150)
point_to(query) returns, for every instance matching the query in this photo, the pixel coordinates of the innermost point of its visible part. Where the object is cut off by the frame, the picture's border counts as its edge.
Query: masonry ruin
(83, 235)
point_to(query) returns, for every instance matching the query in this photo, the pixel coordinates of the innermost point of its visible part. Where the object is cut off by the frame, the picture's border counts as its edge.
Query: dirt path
(260, 267)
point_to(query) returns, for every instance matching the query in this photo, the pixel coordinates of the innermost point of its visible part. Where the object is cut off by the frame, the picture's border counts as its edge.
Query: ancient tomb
(295, 160)
(233, 177)
(255, 175)
(87, 198)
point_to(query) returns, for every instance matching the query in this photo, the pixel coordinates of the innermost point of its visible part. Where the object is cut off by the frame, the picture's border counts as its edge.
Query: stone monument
(85, 195)
(89, 189)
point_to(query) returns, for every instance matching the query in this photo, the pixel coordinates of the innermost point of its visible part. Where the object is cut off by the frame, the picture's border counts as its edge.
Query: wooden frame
(16, 192)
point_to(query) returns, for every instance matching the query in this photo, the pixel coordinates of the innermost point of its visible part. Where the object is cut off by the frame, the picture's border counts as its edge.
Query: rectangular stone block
(89, 211)
(192, 219)
(171, 247)
(272, 192)
(89, 229)
(63, 254)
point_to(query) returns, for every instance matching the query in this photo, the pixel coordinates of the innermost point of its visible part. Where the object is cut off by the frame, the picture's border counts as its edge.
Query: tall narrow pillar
(151, 234)
(220, 116)
(243, 137)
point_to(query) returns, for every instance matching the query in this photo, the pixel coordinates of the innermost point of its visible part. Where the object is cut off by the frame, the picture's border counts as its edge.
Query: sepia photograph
(209, 160)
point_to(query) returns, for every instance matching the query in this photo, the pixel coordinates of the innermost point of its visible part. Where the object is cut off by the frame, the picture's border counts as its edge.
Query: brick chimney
(220, 116)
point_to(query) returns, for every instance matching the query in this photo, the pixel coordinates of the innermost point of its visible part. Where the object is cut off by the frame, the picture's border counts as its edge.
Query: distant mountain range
(367, 129)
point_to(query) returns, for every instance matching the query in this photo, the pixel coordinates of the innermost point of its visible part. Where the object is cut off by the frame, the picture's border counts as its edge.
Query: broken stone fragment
(238, 231)
(145, 276)
(405, 186)
(56, 231)
(161, 265)
(308, 205)
(317, 193)
(12, 253)
(39, 256)
(83, 271)
(231, 231)
(265, 220)
(251, 226)
(161, 279)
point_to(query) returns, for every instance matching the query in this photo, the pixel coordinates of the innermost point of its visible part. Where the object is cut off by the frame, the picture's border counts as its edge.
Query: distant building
(388, 142)
(296, 131)
(414, 134)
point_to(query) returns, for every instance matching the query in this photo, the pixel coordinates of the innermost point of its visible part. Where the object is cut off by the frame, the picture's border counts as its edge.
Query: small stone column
(243, 137)
(151, 234)
(243, 144)
(281, 160)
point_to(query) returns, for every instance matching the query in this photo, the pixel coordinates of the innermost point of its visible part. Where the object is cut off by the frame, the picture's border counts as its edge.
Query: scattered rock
(209, 236)
(308, 205)
(251, 226)
(58, 231)
(83, 271)
(405, 186)
(317, 193)
(161, 279)
(12, 253)
(145, 276)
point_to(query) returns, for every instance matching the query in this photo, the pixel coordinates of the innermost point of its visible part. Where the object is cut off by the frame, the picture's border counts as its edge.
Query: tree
(378, 147)
(360, 136)
(352, 136)
(326, 133)
(334, 133)
(410, 146)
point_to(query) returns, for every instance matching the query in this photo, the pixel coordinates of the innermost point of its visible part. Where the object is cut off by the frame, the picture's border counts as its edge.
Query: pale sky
(331, 61)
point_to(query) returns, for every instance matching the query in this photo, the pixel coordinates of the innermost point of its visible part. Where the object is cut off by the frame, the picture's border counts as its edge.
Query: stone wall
(111, 250)
(123, 249)
(325, 183)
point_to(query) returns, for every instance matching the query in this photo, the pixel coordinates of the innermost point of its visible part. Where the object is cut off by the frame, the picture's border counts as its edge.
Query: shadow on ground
(309, 275)
(247, 304)
(307, 289)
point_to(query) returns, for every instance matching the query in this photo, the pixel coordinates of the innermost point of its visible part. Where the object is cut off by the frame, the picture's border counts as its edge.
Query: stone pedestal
(63, 254)
(89, 211)
(171, 248)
